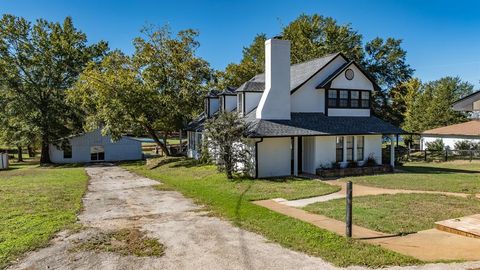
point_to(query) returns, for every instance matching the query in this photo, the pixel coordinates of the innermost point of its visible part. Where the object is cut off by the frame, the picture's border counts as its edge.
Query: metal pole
(348, 219)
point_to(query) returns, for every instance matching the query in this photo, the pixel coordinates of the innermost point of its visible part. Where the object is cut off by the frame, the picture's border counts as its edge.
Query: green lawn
(455, 176)
(35, 203)
(400, 213)
(231, 200)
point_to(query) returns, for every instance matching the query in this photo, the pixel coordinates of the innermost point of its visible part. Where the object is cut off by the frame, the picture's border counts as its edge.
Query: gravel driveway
(118, 199)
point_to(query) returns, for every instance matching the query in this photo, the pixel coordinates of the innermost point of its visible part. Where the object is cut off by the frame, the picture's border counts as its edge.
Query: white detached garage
(94, 147)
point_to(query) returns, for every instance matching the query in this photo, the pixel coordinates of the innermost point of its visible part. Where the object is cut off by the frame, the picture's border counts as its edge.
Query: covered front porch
(295, 155)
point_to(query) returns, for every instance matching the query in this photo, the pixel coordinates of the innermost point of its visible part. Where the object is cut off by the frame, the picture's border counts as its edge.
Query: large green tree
(38, 62)
(15, 130)
(429, 105)
(158, 88)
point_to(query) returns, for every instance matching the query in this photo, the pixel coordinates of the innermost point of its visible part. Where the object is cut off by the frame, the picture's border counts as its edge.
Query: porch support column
(392, 151)
(295, 156)
(344, 149)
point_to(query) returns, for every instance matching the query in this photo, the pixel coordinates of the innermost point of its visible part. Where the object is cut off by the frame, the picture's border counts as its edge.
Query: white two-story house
(302, 116)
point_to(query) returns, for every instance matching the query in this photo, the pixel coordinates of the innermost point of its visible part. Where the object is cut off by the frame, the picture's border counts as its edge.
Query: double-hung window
(354, 99)
(349, 148)
(343, 99)
(360, 147)
(332, 98)
(365, 99)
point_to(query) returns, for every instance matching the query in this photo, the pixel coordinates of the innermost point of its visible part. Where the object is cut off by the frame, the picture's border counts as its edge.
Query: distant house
(94, 147)
(303, 116)
(468, 131)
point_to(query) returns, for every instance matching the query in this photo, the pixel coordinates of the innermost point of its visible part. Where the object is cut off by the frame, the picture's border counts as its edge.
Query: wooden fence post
(348, 218)
(471, 155)
(425, 154)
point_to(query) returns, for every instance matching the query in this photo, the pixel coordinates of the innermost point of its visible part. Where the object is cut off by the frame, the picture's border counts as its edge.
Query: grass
(399, 213)
(124, 242)
(232, 200)
(455, 176)
(35, 204)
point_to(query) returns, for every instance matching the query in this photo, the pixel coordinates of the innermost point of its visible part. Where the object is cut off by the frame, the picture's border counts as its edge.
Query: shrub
(336, 165)
(436, 145)
(371, 162)
(352, 164)
(224, 133)
(463, 145)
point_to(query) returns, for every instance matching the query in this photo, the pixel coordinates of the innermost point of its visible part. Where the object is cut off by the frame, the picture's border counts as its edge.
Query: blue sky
(441, 37)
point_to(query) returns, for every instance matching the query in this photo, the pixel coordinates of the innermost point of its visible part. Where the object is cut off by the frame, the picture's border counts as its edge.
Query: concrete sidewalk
(359, 190)
(428, 245)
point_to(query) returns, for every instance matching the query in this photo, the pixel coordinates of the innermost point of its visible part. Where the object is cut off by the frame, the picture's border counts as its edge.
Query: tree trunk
(45, 155)
(154, 136)
(20, 154)
(31, 151)
(165, 141)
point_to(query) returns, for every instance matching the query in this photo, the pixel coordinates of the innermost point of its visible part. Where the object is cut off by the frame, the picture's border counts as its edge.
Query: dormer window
(354, 99)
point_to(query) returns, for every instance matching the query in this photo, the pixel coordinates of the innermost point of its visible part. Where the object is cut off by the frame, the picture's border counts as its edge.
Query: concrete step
(466, 226)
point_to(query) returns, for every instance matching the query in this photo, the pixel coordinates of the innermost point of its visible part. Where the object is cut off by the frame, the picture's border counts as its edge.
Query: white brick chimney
(275, 101)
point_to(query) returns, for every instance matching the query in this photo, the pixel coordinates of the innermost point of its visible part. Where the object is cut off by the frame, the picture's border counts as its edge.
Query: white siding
(251, 100)
(274, 157)
(309, 99)
(359, 81)
(124, 149)
(325, 150)
(320, 151)
(373, 146)
(308, 159)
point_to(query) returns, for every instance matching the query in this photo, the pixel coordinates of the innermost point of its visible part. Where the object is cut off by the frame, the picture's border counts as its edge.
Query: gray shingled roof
(318, 124)
(465, 104)
(251, 86)
(299, 74)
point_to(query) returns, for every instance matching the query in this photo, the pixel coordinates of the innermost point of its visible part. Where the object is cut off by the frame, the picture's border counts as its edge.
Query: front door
(97, 153)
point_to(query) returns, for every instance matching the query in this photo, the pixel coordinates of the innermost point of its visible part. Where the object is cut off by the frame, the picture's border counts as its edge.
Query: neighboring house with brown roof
(469, 131)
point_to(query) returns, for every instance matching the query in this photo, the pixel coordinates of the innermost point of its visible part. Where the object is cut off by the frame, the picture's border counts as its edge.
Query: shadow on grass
(186, 163)
(434, 170)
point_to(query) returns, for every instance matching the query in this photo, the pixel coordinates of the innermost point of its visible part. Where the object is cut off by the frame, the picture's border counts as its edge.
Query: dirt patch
(124, 242)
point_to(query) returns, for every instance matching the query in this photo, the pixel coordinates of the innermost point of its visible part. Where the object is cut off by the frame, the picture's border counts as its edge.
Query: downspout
(256, 157)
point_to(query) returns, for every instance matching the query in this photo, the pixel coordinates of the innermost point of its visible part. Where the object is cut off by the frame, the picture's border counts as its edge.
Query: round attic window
(349, 74)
